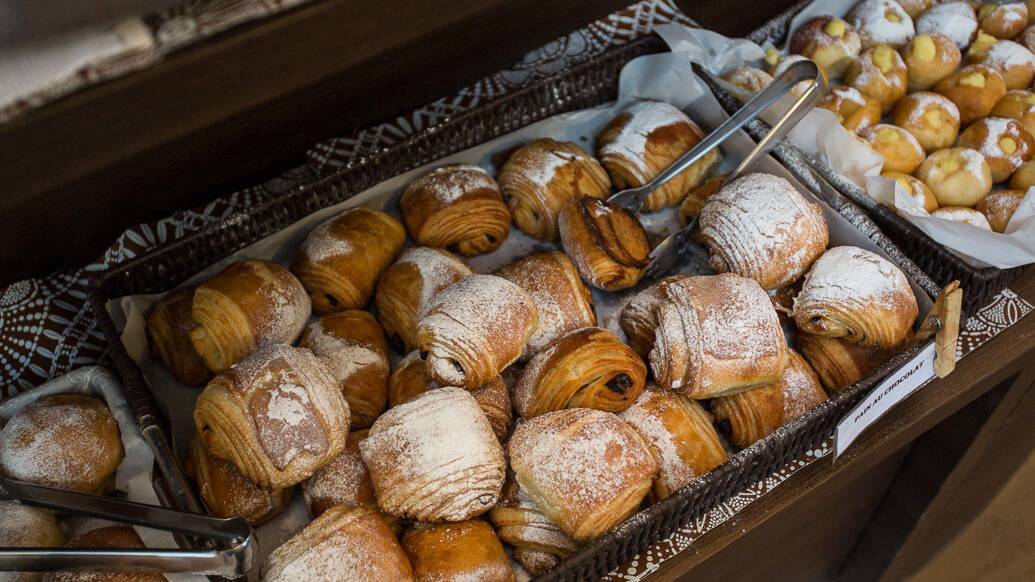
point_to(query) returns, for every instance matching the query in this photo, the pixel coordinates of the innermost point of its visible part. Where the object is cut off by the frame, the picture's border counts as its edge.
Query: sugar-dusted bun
(467, 550)
(750, 79)
(435, 458)
(840, 363)
(785, 63)
(915, 189)
(956, 20)
(228, 493)
(760, 226)
(107, 537)
(1027, 38)
(606, 242)
(915, 8)
(975, 89)
(1004, 142)
(829, 41)
(929, 58)
(66, 441)
(964, 215)
(880, 73)
(983, 43)
(1024, 177)
(999, 206)
(344, 544)
(901, 151)
(1003, 20)
(542, 177)
(695, 199)
(537, 541)
(854, 110)
(933, 119)
(1019, 105)
(957, 176)
(168, 335)
(22, 526)
(1013, 61)
(857, 295)
(881, 22)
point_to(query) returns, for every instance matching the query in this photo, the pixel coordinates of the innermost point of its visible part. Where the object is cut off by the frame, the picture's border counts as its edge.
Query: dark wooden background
(244, 106)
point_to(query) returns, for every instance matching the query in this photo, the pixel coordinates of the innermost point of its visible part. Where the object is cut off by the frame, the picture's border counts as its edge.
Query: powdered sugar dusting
(643, 118)
(955, 20)
(924, 101)
(24, 526)
(322, 244)
(995, 129)
(1007, 54)
(438, 270)
(344, 357)
(851, 273)
(801, 389)
(870, 17)
(288, 404)
(675, 471)
(964, 215)
(449, 183)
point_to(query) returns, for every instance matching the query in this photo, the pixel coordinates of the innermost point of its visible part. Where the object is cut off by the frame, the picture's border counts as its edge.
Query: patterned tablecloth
(46, 328)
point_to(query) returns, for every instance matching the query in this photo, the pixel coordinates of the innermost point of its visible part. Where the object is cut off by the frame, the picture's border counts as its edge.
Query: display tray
(980, 284)
(376, 180)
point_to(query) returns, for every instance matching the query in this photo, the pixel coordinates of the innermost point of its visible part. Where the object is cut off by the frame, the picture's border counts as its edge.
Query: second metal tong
(668, 252)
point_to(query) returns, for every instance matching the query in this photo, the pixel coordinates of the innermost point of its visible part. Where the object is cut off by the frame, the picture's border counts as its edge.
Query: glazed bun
(957, 176)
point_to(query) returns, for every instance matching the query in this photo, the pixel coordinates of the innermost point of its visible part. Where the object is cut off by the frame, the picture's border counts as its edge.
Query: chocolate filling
(397, 343)
(331, 300)
(619, 383)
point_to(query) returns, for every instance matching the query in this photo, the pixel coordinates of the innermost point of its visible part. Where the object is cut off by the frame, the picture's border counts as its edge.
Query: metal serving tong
(231, 559)
(669, 251)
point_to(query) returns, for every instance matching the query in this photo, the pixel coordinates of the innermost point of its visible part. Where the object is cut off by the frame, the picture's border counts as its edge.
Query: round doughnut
(975, 89)
(930, 58)
(915, 189)
(999, 206)
(1020, 105)
(955, 20)
(964, 215)
(956, 176)
(880, 73)
(1003, 20)
(1014, 62)
(901, 151)
(932, 119)
(854, 110)
(1004, 142)
(881, 22)
(829, 41)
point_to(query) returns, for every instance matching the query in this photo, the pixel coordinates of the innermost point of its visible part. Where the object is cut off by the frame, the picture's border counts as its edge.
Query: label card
(894, 389)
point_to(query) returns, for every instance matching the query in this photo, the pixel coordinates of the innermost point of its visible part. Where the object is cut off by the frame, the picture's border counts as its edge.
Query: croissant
(563, 301)
(754, 414)
(435, 458)
(168, 334)
(857, 295)
(587, 470)
(410, 380)
(341, 259)
(227, 493)
(761, 227)
(521, 524)
(716, 335)
(607, 243)
(353, 346)
(587, 368)
(407, 287)
(637, 317)
(681, 436)
(468, 550)
(108, 537)
(696, 197)
(474, 329)
(838, 363)
(278, 415)
(248, 305)
(644, 140)
(344, 544)
(458, 208)
(534, 562)
(540, 178)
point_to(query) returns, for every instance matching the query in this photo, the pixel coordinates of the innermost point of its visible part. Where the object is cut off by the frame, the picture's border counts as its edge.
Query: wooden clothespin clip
(943, 322)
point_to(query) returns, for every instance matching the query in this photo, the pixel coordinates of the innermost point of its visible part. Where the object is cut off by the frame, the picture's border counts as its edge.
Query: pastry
(1019, 105)
(344, 544)
(1003, 20)
(930, 58)
(227, 493)
(410, 380)
(956, 20)
(880, 73)
(785, 63)
(933, 119)
(468, 550)
(921, 195)
(854, 110)
(1004, 143)
(1027, 38)
(979, 48)
(168, 335)
(408, 286)
(435, 458)
(754, 414)
(915, 8)
(352, 345)
(695, 199)
(64, 441)
(1024, 177)
(857, 295)
(587, 470)
(975, 89)
(1014, 62)
(22, 526)
(681, 436)
(714, 336)
(278, 415)
(529, 563)
(999, 206)
(520, 523)
(881, 22)
(606, 242)
(760, 226)
(646, 138)
(964, 215)
(957, 176)
(900, 150)
(637, 317)
(108, 537)
(749, 79)
(829, 41)
(248, 305)
(563, 301)
(458, 208)
(585, 368)
(474, 329)
(839, 363)
(341, 259)
(542, 177)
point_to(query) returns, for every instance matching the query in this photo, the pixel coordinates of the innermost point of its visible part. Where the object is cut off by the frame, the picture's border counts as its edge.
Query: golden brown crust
(607, 243)
(467, 550)
(24, 526)
(975, 89)
(458, 208)
(695, 199)
(957, 176)
(1003, 20)
(915, 8)
(915, 189)
(341, 259)
(1004, 143)
(999, 206)
(880, 73)
(929, 58)
(900, 150)
(1019, 105)
(278, 415)
(829, 41)
(854, 110)
(228, 493)
(542, 177)
(520, 523)
(168, 335)
(115, 536)
(1024, 177)
(353, 346)
(881, 22)
(637, 317)
(748, 79)
(839, 363)
(250, 304)
(931, 118)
